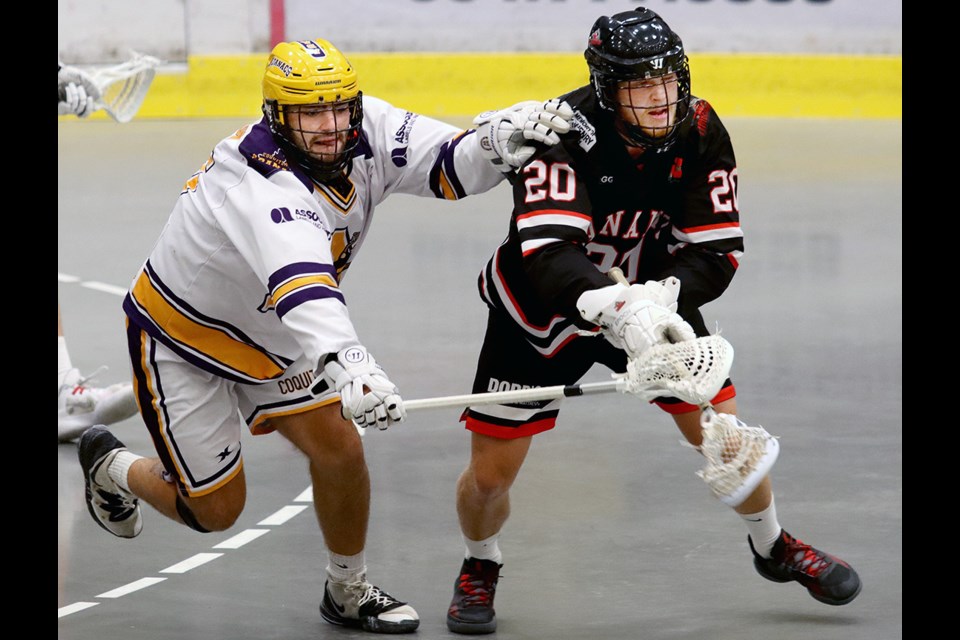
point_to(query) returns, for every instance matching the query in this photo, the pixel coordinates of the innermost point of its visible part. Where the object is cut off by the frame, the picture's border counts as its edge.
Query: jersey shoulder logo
(588, 133)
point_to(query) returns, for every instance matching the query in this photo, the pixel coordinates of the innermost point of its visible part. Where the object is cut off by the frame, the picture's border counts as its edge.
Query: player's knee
(489, 483)
(209, 515)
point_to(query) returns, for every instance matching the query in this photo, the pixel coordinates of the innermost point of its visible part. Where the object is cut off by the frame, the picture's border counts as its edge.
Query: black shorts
(508, 362)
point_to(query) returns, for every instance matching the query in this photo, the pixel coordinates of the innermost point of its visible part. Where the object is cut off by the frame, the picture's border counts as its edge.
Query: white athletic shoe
(361, 604)
(112, 507)
(79, 407)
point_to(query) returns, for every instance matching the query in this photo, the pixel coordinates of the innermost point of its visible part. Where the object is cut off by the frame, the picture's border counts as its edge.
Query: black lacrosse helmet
(637, 45)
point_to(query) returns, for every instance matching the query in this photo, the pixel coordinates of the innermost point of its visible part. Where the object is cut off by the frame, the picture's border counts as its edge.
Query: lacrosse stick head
(738, 457)
(313, 104)
(692, 370)
(123, 87)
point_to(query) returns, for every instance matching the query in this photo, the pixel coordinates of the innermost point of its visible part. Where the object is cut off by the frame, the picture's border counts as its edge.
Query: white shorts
(196, 417)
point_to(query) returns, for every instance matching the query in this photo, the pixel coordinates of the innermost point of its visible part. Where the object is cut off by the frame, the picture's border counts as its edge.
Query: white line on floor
(73, 608)
(136, 585)
(191, 563)
(106, 288)
(241, 539)
(282, 515)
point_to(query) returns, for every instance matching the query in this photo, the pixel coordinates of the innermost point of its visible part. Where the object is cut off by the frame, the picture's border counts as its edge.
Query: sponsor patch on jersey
(588, 133)
(280, 215)
(269, 162)
(399, 156)
(403, 133)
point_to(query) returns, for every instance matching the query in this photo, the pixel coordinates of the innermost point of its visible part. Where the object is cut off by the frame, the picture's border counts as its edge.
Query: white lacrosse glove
(507, 137)
(76, 92)
(366, 394)
(636, 317)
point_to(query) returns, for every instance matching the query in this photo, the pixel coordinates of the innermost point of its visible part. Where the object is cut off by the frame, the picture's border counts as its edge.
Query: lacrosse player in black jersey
(646, 182)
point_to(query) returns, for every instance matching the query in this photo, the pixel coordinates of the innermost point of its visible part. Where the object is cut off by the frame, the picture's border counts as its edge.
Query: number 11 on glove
(367, 396)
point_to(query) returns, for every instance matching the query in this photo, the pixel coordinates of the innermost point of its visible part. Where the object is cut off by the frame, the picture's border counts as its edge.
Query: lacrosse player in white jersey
(79, 404)
(237, 320)
(646, 182)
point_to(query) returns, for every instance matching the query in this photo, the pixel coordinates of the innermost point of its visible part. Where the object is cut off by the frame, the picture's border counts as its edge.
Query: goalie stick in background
(236, 320)
(79, 405)
(646, 182)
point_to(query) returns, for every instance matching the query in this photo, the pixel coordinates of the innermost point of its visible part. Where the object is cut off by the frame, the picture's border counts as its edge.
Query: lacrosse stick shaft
(518, 395)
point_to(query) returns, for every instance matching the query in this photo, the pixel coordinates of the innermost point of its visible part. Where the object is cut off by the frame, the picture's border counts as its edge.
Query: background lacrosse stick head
(123, 87)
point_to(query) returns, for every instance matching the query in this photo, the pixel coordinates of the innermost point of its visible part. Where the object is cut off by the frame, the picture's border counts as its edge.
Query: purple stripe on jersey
(306, 294)
(298, 269)
(444, 165)
(141, 321)
(196, 316)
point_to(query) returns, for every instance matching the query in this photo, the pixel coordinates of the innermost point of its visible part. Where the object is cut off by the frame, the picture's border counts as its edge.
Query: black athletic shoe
(113, 508)
(828, 579)
(471, 610)
(360, 604)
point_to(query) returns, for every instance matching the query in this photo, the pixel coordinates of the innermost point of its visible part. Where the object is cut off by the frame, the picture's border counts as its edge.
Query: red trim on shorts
(674, 408)
(508, 433)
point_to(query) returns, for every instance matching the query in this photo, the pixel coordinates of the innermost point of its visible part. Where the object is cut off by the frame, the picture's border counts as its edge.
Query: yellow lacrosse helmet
(311, 73)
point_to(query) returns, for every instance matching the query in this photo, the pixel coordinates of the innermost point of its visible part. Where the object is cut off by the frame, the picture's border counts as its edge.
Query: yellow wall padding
(458, 85)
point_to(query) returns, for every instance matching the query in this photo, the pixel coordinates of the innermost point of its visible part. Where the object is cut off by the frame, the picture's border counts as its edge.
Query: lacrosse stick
(518, 395)
(738, 456)
(123, 87)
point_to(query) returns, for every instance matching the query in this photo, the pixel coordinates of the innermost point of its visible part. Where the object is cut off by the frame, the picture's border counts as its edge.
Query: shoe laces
(806, 559)
(82, 381)
(477, 589)
(367, 592)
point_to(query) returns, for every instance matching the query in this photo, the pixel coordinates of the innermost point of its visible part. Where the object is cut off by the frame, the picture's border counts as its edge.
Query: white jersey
(244, 278)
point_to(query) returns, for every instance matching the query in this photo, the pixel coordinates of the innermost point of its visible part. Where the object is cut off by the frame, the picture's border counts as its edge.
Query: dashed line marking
(106, 288)
(136, 585)
(191, 563)
(67, 278)
(73, 608)
(241, 539)
(282, 515)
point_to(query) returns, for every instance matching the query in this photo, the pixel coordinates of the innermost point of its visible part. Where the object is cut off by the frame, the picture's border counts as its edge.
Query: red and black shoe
(471, 610)
(828, 578)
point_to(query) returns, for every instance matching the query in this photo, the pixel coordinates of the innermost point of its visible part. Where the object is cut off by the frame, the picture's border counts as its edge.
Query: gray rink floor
(612, 535)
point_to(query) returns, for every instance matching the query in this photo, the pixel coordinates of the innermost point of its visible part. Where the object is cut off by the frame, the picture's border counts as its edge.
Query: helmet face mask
(639, 71)
(314, 106)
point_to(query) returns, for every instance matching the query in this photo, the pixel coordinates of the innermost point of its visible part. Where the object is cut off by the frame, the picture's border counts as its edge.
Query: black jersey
(586, 205)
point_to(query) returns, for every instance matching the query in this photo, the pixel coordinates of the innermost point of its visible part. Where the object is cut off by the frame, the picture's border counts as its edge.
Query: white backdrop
(91, 31)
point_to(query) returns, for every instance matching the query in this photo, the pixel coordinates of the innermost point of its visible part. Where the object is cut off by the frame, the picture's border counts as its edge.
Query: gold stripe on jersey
(209, 341)
(336, 197)
(299, 283)
(448, 191)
